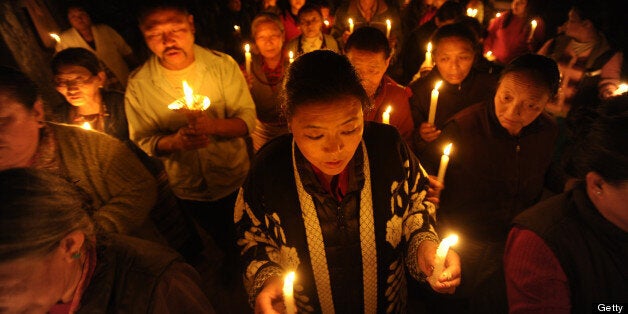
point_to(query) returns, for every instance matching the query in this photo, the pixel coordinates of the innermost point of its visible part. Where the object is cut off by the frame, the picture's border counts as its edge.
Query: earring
(76, 255)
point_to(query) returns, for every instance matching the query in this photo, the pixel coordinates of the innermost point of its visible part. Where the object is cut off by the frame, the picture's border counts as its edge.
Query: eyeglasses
(78, 82)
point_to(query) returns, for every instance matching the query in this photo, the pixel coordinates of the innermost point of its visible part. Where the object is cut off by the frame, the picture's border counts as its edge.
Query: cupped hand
(434, 189)
(270, 298)
(428, 132)
(450, 277)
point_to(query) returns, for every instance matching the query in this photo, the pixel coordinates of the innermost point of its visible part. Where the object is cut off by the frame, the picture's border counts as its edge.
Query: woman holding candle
(515, 32)
(501, 152)
(369, 52)
(319, 202)
(266, 77)
(53, 259)
(455, 53)
(312, 36)
(569, 252)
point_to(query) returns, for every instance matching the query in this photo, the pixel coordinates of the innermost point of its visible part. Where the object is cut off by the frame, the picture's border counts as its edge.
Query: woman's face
(296, 5)
(33, 284)
(329, 133)
(454, 57)
(518, 7)
(574, 26)
(19, 132)
(519, 101)
(269, 40)
(371, 67)
(311, 24)
(77, 84)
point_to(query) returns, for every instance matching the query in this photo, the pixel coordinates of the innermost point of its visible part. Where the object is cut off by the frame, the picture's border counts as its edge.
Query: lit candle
(489, 56)
(428, 62)
(247, 58)
(326, 22)
(498, 14)
(236, 28)
(55, 37)
(291, 56)
(444, 161)
(190, 101)
(288, 293)
(350, 26)
(86, 126)
(441, 254)
(388, 27)
(472, 12)
(622, 88)
(532, 28)
(434, 102)
(386, 115)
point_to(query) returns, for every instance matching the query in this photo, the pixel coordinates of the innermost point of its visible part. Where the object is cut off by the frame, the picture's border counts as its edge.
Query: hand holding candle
(288, 293)
(386, 115)
(439, 259)
(434, 103)
(247, 57)
(444, 161)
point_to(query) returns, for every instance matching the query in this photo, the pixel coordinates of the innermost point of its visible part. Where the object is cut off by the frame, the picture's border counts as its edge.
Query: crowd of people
(194, 181)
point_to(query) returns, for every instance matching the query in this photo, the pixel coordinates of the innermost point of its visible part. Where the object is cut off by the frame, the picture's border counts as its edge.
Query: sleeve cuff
(412, 262)
(260, 278)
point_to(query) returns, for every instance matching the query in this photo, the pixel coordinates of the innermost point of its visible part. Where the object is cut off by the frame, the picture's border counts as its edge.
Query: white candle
(247, 58)
(622, 88)
(441, 254)
(434, 102)
(444, 161)
(428, 62)
(386, 115)
(55, 37)
(350, 25)
(388, 27)
(291, 56)
(532, 28)
(288, 293)
(86, 126)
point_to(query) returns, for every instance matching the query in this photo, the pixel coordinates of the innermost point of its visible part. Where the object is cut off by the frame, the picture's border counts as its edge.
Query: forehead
(455, 43)
(522, 83)
(267, 27)
(73, 12)
(327, 113)
(358, 56)
(72, 69)
(310, 15)
(163, 17)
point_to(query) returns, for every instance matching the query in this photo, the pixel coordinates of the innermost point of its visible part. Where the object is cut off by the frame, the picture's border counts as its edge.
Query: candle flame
(291, 55)
(55, 37)
(206, 103)
(447, 149)
(189, 94)
(438, 84)
(326, 22)
(86, 126)
(451, 240)
(388, 23)
(429, 47)
(498, 14)
(622, 88)
(472, 12)
(488, 54)
(388, 110)
(247, 48)
(288, 283)
(236, 28)
(350, 22)
(533, 23)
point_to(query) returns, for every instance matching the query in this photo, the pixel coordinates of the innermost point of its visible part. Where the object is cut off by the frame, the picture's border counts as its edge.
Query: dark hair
(450, 10)
(321, 76)
(458, 30)
(37, 210)
(595, 12)
(76, 56)
(368, 39)
(604, 149)
(18, 86)
(309, 7)
(542, 70)
(155, 6)
(76, 5)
